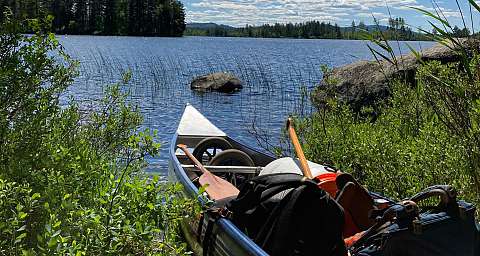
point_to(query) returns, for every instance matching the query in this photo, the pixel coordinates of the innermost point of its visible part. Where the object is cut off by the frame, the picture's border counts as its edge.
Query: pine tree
(110, 23)
(110, 17)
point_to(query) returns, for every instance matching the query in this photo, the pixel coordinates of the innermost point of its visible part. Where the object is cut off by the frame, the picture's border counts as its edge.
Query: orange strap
(351, 240)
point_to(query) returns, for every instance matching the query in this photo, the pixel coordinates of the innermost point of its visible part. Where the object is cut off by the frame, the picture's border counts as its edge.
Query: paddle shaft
(199, 165)
(298, 149)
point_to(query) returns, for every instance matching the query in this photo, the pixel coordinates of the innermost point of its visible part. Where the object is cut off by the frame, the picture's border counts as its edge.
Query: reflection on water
(274, 72)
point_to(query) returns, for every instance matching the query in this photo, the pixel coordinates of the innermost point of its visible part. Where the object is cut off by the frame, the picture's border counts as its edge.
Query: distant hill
(209, 25)
(375, 27)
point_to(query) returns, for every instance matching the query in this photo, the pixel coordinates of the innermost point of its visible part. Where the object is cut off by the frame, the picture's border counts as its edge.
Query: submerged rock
(365, 82)
(220, 81)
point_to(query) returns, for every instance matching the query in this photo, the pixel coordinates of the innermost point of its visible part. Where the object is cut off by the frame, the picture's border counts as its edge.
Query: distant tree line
(396, 30)
(106, 17)
(311, 29)
(456, 32)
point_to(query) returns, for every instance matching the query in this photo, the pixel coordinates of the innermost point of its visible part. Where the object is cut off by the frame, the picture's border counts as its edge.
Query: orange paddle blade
(216, 187)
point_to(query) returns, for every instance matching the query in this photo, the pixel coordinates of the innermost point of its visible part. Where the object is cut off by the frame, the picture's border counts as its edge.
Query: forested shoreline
(396, 30)
(104, 17)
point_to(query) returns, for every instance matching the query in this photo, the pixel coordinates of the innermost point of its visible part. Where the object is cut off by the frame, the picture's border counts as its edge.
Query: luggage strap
(215, 213)
(404, 211)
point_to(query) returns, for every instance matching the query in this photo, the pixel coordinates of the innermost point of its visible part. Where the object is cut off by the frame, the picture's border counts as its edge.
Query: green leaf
(474, 4)
(445, 34)
(57, 224)
(36, 196)
(22, 215)
(429, 14)
(56, 233)
(150, 206)
(20, 238)
(375, 52)
(417, 55)
(22, 228)
(202, 189)
(27, 252)
(52, 243)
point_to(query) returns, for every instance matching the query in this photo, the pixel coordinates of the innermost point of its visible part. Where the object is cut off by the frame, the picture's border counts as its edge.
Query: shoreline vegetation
(73, 182)
(397, 29)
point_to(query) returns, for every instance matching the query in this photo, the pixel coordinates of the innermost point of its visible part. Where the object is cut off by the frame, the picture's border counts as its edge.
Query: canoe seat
(193, 173)
(227, 169)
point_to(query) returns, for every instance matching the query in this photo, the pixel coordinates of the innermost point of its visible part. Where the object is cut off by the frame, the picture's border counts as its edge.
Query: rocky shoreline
(366, 82)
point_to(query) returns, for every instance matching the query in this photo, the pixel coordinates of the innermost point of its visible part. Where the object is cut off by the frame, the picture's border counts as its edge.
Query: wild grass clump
(71, 183)
(424, 134)
(406, 148)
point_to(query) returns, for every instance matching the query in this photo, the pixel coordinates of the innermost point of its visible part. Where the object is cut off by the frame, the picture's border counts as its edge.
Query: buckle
(417, 227)
(225, 213)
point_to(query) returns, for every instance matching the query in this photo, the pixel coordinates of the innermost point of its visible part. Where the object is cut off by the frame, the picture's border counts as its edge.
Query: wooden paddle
(216, 187)
(298, 149)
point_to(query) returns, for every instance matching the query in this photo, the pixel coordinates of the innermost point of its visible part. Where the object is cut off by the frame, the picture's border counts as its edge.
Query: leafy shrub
(71, 182)
(403, 151)
(423, 135)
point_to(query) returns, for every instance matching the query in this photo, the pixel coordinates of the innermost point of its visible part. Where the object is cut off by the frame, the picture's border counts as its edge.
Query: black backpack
(304, 221)
(410, 229)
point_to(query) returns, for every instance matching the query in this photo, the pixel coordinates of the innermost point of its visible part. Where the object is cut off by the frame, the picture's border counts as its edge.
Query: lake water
(274, 72)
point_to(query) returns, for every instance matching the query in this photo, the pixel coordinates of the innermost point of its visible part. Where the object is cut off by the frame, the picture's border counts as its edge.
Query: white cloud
(240, 12)
(256, 12)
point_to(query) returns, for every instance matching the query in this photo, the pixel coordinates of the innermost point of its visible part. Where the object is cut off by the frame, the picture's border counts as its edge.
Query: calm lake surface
(275, 73)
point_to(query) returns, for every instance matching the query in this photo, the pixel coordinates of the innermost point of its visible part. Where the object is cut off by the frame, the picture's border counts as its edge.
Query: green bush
(405, 146)
(71, 181)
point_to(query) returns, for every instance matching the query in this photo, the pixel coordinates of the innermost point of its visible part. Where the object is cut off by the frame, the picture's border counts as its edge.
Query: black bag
(306, 221)
(408, 230)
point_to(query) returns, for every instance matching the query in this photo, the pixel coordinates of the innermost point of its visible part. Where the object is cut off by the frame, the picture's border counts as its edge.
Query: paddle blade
(217, 188)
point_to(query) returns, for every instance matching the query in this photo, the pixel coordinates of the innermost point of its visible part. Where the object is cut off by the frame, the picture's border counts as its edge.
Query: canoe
(226, 238)
(195, 131)
(198, 133)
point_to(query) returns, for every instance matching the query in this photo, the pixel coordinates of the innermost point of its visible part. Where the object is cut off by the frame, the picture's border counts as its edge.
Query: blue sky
(257, 12)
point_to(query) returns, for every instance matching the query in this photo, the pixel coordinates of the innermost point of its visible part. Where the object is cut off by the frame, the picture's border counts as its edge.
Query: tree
(111, 12)
(362, 26)
(178, 18)
(109, 17)
(81, 17)
(457, 32)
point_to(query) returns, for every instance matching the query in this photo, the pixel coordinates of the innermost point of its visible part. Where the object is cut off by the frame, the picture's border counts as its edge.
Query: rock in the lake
(366, 82)
(220, 81)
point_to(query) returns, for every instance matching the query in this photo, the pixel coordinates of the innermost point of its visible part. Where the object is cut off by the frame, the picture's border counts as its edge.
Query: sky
(238, 13)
